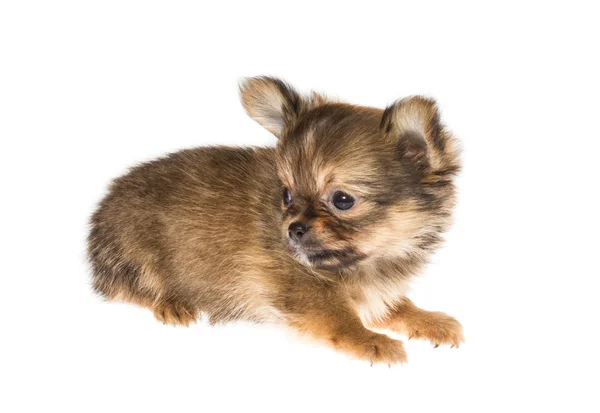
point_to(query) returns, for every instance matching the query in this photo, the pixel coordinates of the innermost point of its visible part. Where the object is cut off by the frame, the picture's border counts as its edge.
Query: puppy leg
(342, 330)
(174, 313)
(439, 328)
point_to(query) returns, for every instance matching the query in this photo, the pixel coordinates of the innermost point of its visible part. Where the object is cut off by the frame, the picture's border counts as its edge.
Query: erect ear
(271, 102)
(414, 124)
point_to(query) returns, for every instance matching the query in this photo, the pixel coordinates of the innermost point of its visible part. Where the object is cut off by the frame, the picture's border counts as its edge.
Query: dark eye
(287, 197)
(342, 200)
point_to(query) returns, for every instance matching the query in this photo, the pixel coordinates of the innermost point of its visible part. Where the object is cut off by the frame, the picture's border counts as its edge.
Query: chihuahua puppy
(321, 233)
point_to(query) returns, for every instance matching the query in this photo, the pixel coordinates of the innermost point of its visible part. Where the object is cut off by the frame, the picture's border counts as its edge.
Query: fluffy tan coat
(212, 230)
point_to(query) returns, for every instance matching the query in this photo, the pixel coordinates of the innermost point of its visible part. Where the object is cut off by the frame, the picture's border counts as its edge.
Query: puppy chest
(373, 303)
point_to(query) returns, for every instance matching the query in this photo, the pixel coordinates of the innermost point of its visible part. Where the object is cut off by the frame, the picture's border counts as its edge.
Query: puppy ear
(271, 102)
(414, 125)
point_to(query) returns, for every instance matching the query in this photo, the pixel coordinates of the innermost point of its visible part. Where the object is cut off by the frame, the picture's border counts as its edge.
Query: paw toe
(174, 314)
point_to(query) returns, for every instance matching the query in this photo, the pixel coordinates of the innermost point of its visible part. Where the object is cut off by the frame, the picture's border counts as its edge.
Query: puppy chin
(328, 260)
(301, 257)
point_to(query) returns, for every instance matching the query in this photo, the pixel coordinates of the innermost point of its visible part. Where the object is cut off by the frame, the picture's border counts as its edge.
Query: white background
(88, 89)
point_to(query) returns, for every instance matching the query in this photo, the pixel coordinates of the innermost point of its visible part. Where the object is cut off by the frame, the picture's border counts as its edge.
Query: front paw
(374, 348)
(438, 328)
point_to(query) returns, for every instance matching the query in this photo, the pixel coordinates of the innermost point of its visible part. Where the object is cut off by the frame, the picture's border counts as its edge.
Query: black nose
(296, 230)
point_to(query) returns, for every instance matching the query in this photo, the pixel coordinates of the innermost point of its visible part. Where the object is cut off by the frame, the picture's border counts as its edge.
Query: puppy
(321, 233)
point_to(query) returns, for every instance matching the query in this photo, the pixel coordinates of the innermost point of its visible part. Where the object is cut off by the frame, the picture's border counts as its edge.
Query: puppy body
(263, 234)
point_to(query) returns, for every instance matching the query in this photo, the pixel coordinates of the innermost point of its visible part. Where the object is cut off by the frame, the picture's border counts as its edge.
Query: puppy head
(357, 183)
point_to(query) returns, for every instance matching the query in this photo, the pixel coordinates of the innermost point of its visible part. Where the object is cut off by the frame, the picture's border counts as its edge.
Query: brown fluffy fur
(205, 230)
